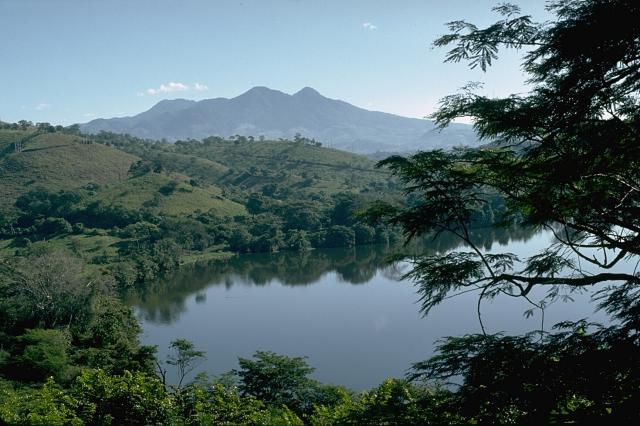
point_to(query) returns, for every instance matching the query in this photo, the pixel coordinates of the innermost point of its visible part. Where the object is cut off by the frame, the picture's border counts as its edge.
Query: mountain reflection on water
(163, 301)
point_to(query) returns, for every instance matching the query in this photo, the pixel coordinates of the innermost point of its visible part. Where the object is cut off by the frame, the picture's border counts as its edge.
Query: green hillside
(59, 161)
(293, 165)
(56, 161)
(189, 164)
(8, 137)
(214, 176)
(280, 169)
(172, 195)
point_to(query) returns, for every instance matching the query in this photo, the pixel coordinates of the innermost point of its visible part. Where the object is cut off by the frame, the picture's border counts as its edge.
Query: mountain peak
(260, 90)
(307, 92)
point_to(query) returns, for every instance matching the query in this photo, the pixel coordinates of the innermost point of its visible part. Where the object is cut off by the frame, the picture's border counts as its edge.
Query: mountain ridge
(271, 113)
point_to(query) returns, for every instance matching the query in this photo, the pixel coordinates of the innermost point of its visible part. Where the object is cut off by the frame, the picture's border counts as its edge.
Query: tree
(52, 226)
(273, 378)
(298, 240)
(53, 288)
(44, 354)
(73, 129)
(257, 204)
(343, 212)
(110, 341)
(216, 404)
(48, 405)
(393, 402)
(573, 375)
(185, 357)
(45, 127)
(166, 254)
(364, 234)
(302, 215)
(240, 239)
(24, 124)
(41, 204)
(340, 236)
(141, 232)
(140, 168)
(132, 398)
(565, 156)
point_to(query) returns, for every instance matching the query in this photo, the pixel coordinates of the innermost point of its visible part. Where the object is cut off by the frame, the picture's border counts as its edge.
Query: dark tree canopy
(564, 156)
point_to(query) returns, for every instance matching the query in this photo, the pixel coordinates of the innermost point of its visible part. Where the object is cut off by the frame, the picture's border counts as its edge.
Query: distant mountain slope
(274, 114)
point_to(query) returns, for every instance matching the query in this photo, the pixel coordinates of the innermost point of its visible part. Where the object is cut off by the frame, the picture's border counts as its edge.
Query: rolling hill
(59, 161)
(273, 114)
(287, 168)
(56, 161)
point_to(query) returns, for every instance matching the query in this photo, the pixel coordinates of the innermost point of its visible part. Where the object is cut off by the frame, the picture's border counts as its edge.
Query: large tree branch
(582, 281)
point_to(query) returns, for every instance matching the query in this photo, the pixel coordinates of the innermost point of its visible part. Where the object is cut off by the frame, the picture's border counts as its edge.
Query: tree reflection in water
(164, 300)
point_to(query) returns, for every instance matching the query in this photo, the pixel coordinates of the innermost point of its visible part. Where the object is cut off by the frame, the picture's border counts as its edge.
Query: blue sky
(68, 61)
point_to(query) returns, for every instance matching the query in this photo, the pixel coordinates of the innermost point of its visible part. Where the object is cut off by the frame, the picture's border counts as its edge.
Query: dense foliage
(564, 156)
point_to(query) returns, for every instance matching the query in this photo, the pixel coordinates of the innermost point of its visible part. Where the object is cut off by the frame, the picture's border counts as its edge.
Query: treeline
(149, 244)
(300, 225)
(267, 389)
(40, 127)
(152, 243)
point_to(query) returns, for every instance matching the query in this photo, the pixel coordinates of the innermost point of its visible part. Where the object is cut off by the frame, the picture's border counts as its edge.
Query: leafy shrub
(44, 354)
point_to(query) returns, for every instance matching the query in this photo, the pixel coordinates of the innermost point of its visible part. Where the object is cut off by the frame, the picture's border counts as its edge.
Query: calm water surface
(346, 309)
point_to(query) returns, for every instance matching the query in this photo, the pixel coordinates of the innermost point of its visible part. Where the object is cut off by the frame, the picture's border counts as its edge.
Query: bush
(78, 228)
(297, 240)
(393, 402)
(53, 226)
(340, 236)
(216, 404)
(44, 354)
(364, 234)
(169, 188)
(273, 378)
(49, 405)
(131, 399)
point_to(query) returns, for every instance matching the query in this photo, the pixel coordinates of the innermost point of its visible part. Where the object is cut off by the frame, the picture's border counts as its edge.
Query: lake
(346, 309)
